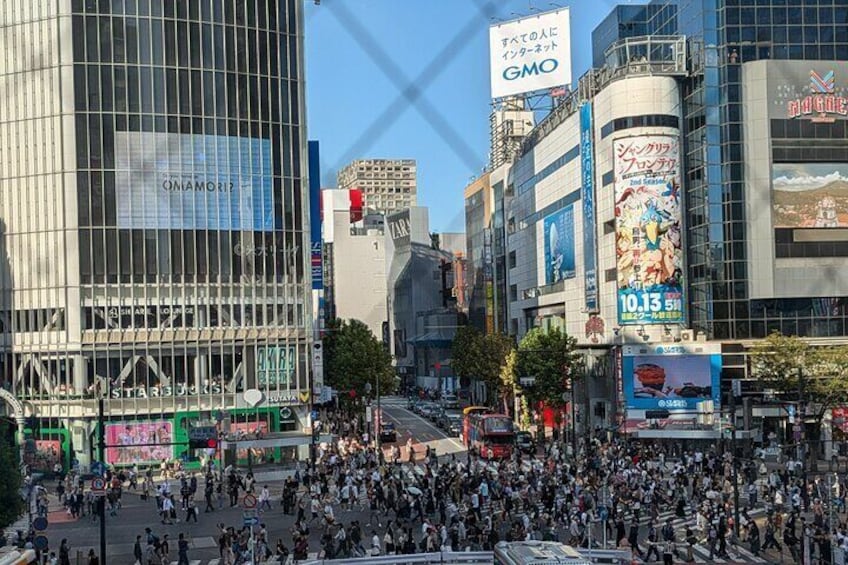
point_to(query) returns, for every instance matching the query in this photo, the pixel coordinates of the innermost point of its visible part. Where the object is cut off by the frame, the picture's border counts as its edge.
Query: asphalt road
(422, 431)
(135, 515)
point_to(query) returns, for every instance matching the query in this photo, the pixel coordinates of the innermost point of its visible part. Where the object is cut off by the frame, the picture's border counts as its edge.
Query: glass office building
(723, 37)
(155, 217)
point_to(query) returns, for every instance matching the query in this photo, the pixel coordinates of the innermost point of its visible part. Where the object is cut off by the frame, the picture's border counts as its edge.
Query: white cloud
(806, 182)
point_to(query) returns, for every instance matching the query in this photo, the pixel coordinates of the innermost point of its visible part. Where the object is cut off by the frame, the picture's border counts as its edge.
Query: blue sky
(391, 78)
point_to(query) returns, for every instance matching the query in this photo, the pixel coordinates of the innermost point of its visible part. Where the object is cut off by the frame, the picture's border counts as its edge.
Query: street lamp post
(101, 454)
(733, 464)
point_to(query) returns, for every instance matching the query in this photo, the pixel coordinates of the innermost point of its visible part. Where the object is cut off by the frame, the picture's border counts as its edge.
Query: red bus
(492, 436)
(466, 422)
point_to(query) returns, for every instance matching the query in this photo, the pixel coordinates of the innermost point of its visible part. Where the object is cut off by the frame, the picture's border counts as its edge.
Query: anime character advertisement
(648, 230)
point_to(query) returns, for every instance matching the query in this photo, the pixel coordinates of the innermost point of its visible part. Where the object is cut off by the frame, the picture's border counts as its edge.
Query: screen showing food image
(671, 381)
(810, 195)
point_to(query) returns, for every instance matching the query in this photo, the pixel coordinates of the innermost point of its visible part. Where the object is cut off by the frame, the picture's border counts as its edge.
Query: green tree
(466, 351)
(481, 357)
(548, 357)
(355, 357)
(780, 362)
(11, 503)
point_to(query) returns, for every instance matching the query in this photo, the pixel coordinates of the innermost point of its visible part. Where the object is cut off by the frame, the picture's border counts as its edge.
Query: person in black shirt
(137, 550)
(182, 550)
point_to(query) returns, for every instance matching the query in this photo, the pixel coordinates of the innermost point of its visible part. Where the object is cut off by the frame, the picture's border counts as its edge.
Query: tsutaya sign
(255, 397)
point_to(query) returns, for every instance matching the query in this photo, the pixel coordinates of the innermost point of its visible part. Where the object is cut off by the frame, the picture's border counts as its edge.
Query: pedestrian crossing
(700, 551)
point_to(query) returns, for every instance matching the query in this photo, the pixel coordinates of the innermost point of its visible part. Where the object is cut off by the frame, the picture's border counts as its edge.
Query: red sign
(819, 104)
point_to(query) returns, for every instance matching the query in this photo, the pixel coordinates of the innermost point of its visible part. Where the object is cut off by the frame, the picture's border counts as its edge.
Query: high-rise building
(355, 254)
(687, 200)
(478, 233)
(631, 20)
(154, 221)
(387, 185)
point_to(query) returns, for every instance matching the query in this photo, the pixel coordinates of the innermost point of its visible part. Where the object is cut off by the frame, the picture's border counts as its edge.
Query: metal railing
(469, 557)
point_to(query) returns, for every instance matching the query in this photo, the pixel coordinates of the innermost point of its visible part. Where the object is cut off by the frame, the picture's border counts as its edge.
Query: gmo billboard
(530, 54)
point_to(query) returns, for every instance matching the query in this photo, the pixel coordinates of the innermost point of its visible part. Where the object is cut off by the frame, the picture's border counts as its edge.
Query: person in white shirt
(264, 499)
(375, 543)
(167, 507)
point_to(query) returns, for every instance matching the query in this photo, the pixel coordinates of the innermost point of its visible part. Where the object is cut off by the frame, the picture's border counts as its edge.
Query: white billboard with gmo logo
(530, 54)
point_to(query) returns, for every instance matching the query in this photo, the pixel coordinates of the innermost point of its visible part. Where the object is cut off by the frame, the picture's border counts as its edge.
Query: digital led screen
(193, 181)
(671, 381)
(810, 195)
(139, 442)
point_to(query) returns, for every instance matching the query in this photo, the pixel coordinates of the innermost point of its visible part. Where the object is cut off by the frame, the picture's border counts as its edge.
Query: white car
(450, 401)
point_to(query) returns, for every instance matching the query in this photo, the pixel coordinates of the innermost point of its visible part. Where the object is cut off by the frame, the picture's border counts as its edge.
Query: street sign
(249, 518)
(98, 468)
(40, 543)
(202, 432)
(98, 484)
(314, 415)
(39, 524)
(249, 501)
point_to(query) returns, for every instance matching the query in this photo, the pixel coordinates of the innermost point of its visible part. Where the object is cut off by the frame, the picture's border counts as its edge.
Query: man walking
(264, 499)
(139, 556)
(182, 550)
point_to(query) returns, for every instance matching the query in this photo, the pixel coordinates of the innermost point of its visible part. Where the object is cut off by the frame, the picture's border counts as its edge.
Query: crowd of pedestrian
(660, 501)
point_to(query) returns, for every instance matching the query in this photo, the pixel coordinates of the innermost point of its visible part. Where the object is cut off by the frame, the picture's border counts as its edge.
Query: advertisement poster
(275, 366)
(193, 181)
(810, 195)
(530, 54)
(587, 195)
(648, 230)
(139, 442)
(666, 381)
(250, 430)
(48, 452)
(559, 245)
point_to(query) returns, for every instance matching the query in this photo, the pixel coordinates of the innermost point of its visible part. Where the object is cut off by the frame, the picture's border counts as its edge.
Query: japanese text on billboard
(530, 54)
(648, 230)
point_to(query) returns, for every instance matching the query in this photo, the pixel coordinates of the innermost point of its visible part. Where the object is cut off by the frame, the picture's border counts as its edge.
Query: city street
(136, 515)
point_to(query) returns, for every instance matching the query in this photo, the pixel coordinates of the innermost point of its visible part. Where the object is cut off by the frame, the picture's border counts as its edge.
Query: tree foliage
(11, 503)
(481, 357)
(466, 351)
(355, 357)
(550, 358)
(779, 361)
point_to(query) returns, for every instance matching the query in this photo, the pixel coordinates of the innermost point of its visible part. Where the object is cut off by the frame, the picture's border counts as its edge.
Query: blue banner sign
(587, 168)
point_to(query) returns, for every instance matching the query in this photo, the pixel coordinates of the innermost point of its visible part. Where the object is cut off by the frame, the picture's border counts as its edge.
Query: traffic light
(203, 443)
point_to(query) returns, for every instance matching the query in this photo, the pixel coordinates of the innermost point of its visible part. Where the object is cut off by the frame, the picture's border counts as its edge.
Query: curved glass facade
(186, 267)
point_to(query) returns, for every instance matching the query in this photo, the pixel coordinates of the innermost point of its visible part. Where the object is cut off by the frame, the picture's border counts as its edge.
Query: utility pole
(733, 463)
(802, 451)
(101, 455)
